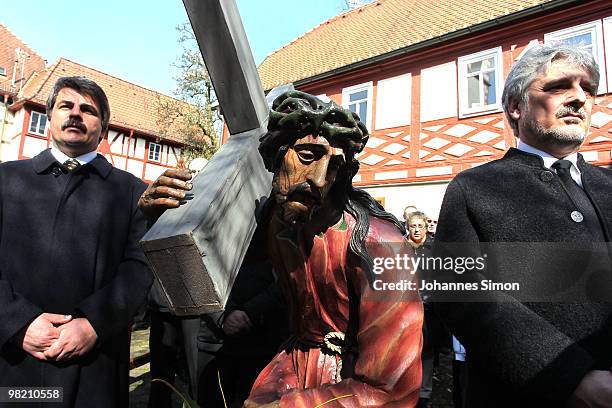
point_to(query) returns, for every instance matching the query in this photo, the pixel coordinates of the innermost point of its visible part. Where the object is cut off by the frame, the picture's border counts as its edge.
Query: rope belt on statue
(334, 343)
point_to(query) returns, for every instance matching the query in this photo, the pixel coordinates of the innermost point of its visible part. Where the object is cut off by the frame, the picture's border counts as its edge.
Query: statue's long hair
(297, 114)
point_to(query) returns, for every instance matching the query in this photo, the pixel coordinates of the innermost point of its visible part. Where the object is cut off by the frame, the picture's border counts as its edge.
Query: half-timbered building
(426, 77)
(18, 63)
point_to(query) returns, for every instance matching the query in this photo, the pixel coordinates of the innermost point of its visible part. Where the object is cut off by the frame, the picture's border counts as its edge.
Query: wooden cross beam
(196, 250)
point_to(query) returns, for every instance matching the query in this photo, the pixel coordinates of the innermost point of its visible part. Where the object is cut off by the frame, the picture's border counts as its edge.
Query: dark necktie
(563, 171)
(71, 164)
(585, 211)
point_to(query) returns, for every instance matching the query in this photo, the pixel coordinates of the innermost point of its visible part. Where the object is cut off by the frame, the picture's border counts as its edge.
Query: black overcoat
(523, 354)
(69, 245)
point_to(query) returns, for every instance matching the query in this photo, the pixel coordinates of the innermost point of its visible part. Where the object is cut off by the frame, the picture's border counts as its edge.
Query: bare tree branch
(347, 5)
(191, 116)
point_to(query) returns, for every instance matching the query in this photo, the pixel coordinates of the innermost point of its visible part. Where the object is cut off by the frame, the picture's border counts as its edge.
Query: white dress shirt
(549, 160)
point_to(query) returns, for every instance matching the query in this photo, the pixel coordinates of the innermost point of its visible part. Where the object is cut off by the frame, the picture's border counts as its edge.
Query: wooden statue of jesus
(349, 344)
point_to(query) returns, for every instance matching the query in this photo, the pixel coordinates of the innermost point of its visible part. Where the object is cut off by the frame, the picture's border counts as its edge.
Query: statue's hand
(165, 192)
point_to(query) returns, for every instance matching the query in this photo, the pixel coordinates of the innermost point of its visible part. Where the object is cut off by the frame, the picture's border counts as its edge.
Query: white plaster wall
(426, 197)
(131, 146)
(116, 147)
(393, 101)
(33, 146)
(11, 140)
(119, 162)
(164, 154)
(439, 92)
(10, 149)
(135, 167)
(140, 148)
(4, 126)
(153, 171)
(172, 161)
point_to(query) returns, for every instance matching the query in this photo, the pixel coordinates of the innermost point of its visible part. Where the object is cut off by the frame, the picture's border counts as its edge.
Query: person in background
(407, 211)
(459, 374)
(416, 224)
(432, 225)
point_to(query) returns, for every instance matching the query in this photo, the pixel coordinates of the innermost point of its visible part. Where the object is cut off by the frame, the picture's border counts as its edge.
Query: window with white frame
(38, 122)
(2, 71)
(480, 83)
(154, 152)
(358, 99)
(587, 36)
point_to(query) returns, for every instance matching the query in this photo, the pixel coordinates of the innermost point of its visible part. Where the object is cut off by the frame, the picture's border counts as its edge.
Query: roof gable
(33, 62)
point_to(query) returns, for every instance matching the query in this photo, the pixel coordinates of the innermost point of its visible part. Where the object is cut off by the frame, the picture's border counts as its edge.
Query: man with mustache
(71, 272)
(350, 344)
(547, 345)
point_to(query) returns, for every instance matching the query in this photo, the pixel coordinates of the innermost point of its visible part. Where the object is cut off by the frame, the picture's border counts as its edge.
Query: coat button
(546, 176)
(56, 171)
(577, 216)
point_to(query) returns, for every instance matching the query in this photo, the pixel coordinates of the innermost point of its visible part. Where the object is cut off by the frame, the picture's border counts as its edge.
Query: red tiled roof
(132, 106)
(34, 62)
(376, 29)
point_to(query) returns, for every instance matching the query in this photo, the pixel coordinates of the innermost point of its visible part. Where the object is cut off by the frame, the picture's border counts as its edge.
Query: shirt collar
(61, 157)
(46, 159)
(549, 159)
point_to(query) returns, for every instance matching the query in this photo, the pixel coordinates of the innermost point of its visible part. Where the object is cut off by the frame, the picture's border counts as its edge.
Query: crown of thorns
(297, 114)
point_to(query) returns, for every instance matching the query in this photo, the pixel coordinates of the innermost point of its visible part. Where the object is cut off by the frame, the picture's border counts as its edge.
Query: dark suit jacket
(69, 245)
(524, 354)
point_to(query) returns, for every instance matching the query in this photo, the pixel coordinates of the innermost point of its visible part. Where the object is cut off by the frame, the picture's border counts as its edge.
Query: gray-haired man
(542, 354)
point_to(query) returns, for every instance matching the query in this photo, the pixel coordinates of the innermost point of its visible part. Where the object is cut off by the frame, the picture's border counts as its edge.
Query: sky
(136, 40)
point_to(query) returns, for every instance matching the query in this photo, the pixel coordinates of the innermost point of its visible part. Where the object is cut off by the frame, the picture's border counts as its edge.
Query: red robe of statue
(328, 291)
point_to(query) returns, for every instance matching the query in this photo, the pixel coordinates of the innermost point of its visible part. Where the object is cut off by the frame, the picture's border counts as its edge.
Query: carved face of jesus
(305, 177)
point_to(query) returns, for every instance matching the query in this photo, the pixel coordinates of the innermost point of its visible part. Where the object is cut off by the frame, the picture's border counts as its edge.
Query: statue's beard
(299, 203)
